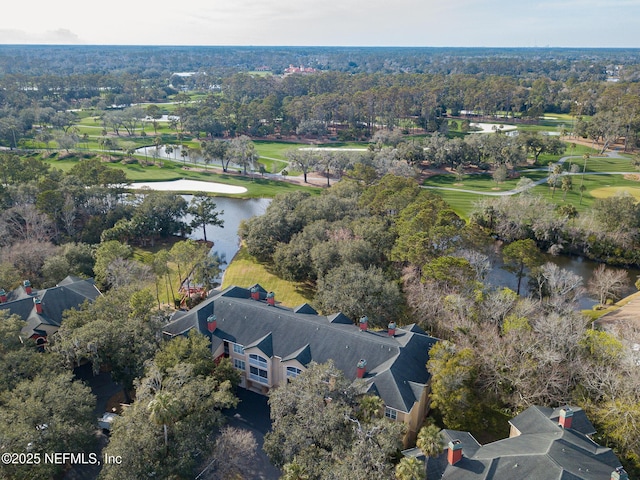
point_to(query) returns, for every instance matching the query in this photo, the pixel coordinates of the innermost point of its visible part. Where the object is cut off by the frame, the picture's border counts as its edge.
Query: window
(257, 360)
(239, 364)
(237, 348)
(390, 413)
(258, 374)
(293, 372)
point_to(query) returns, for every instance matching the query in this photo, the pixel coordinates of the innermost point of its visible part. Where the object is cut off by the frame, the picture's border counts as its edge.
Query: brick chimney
(566, 417)
(255, 293)
(38, 303)
(364, 323)
(27, 286)
(455, 452)
(619, 474)
(362, 368)
(3, 295)
(391, 329)
(271, 298)
(212, 323)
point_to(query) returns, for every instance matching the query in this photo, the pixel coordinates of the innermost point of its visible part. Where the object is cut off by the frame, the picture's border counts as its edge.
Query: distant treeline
(556, 63)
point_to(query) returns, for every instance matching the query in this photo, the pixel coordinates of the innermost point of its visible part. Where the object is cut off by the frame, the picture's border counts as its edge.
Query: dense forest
(372, 243)
(394, 252)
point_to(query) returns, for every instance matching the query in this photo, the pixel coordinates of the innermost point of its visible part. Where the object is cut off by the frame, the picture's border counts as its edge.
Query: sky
(474, 23)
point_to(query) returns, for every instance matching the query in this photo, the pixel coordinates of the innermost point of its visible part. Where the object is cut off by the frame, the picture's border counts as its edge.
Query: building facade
(270, 345)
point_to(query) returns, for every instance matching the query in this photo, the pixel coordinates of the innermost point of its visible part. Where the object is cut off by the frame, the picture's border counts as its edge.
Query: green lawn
(245, 271)
(275, 149)
(256, 187)
(578, 151)
(605, 164)
(463, 202)
(273, 166)
(481, 182)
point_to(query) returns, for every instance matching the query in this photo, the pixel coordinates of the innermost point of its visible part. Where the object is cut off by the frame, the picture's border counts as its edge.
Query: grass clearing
(256, 187)
(597, 186)
(245, 271)
(606, 192)
(273, 166)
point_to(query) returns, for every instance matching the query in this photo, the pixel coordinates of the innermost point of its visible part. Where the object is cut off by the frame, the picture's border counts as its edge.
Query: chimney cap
(566, 412)
(2, 292)
(455, 444)
(391, 325)
(211, 318)
(36, 300)
(364, 319)
(271, 295)
(26, 283)
(619, 474)
(362, 363)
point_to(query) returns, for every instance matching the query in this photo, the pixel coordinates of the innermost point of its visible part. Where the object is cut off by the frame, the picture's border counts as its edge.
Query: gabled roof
(69, 293)
(339, 318)
(264, 344)
(536, 420)
(303, 355)
(305, 308)
(396, 366)
(543, 451)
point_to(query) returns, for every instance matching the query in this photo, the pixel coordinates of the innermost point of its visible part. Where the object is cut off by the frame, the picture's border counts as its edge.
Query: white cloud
(60, 36)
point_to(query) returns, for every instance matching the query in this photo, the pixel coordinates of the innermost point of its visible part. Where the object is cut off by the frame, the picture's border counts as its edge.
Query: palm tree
(430, 441)
(567, 186)
(371, 406)
(294, 471)
(184, 153)
(410, 468)
(163, 410)
(586, 157)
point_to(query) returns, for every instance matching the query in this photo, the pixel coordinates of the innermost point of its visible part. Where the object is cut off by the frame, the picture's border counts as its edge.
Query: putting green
(605, 192)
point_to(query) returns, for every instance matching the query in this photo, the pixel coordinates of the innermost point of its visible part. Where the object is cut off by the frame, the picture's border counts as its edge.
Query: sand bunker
(492, 127)
(190, 186)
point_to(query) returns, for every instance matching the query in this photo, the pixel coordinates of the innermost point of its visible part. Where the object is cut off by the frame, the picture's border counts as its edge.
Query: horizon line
(534, 47)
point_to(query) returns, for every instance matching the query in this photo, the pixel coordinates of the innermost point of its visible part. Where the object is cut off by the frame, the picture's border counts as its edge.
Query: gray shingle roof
(396, 366)
(305, 308)
(264, 344)
(536, 420)
(543, 451)
(69, 293)
(303, 355)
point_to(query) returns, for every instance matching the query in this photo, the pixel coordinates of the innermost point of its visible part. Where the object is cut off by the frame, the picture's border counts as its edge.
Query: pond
(226, 241)
(578, 265)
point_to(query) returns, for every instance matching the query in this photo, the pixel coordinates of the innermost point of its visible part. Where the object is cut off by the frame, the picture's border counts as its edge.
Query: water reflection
(225, 239)
(227, 243)
(578, 265)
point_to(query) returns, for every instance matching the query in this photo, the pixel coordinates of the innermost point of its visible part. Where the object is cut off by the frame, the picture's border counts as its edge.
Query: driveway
(252, 414)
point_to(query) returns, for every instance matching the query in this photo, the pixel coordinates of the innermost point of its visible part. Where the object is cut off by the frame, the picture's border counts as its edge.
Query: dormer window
(257, 360)
(293, 372)
(237, 348)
